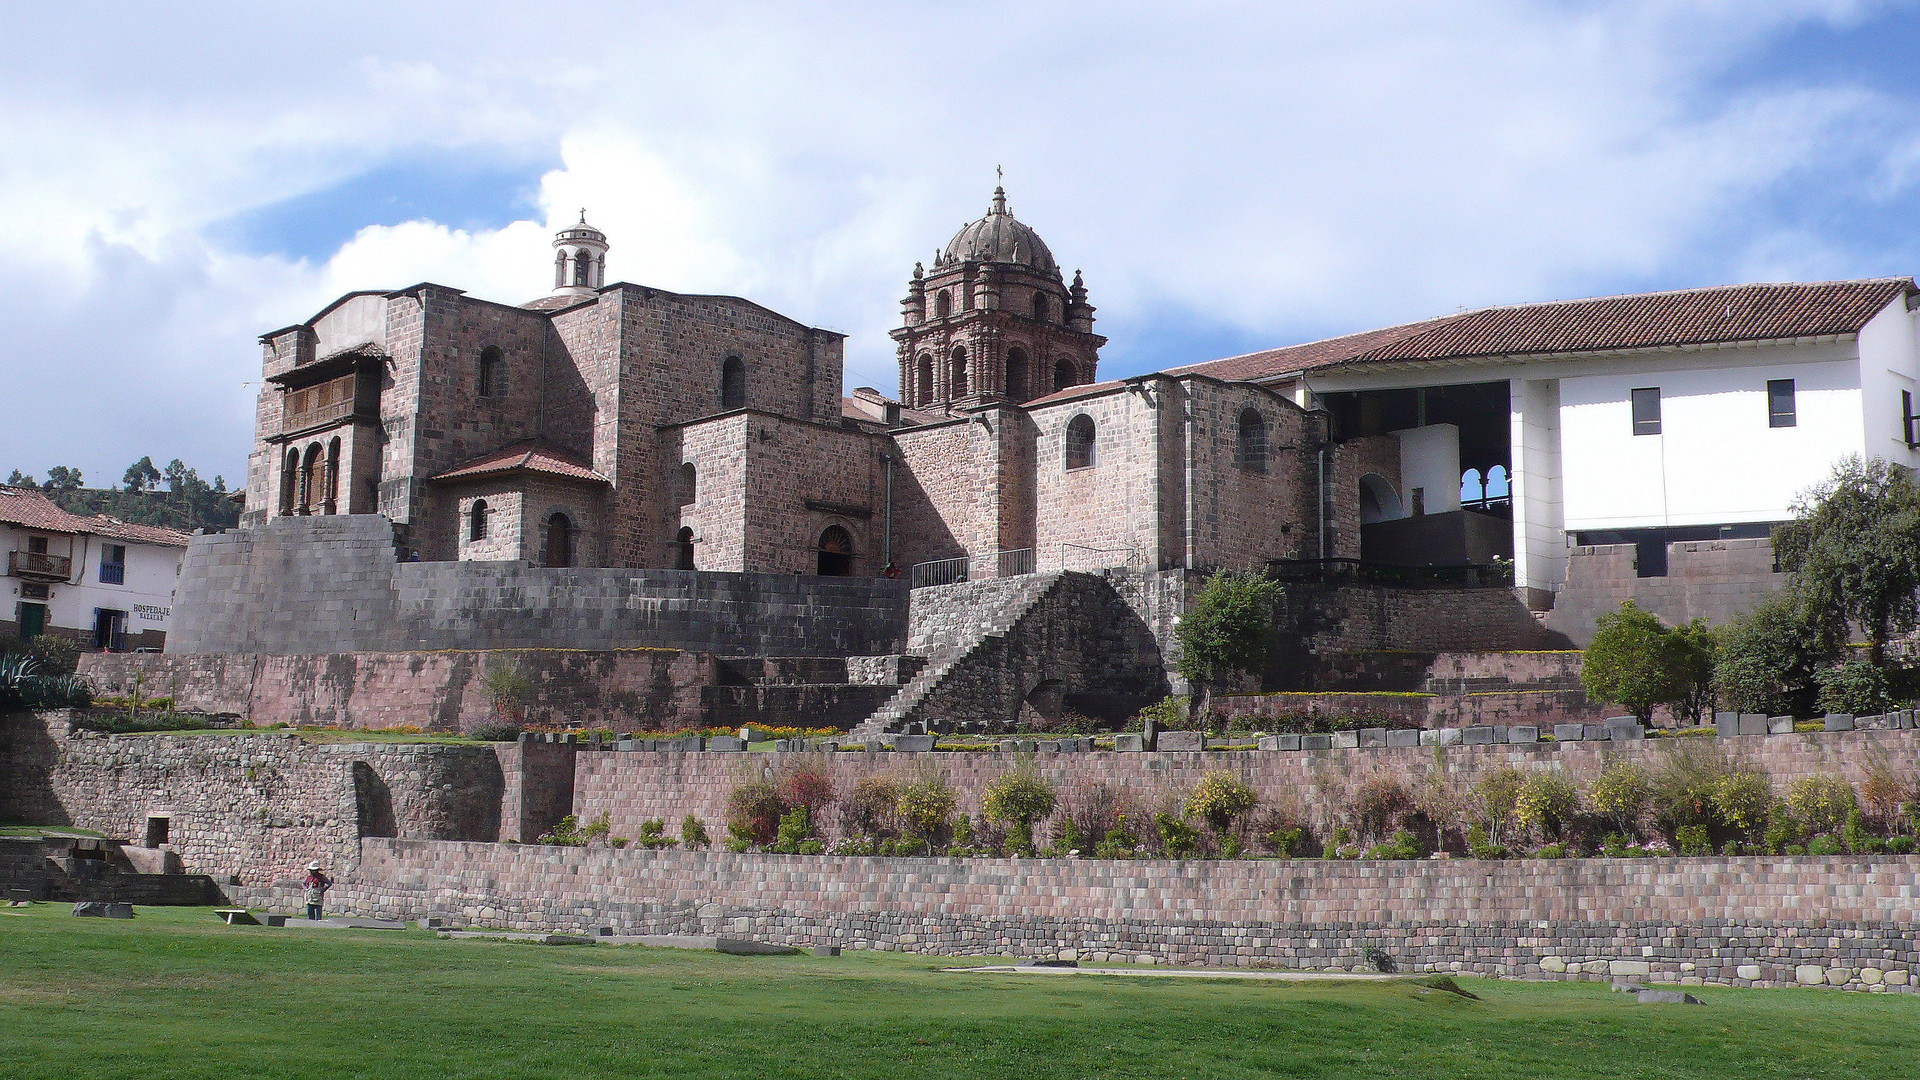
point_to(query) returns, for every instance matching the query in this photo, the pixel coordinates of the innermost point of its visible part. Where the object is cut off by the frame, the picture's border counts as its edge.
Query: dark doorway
(836, 552)
(109, 630)
(157, 830)
(683, 550)
(33, 621)
(559, 541)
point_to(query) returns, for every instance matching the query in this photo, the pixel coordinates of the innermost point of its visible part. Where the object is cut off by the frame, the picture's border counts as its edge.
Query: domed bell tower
(579, 259)
(994, 320)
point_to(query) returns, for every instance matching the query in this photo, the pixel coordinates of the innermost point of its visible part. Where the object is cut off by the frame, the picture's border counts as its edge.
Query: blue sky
(1231, 178)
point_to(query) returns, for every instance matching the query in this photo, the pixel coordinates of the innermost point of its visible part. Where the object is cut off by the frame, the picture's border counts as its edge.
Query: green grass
(175, 993)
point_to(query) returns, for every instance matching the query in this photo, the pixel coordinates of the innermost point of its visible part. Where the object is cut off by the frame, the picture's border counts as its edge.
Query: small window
(493, 370)
(1041, 307)
(559, 541)
(113, 564)
(1646, 411)
(477, 521)
(733, 383)
(157, 830)
(684, 479)
(36, 545)
(1252, 448)
(957, 374)
(683, 550)
(1650, 557)
(1906, 417)
(1780, 410)
(943, 304)
(1080, 442)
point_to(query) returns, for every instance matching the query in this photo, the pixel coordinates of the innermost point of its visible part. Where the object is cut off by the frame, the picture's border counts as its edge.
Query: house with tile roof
(105, 583)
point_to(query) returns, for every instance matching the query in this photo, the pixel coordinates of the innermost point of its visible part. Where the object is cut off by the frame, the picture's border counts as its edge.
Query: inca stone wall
(332, 585)
(1715, 580)
(1741, 921)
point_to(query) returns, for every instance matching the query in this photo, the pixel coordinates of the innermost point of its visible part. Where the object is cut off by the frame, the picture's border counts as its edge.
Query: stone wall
(332, 585)
(1714, 580)
(1739, 921)
(253, 806)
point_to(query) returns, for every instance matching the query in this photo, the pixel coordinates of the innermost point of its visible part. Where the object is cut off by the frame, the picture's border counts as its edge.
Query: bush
(1551, 851)
(1694, 840)
(1687, 787)
(1095, 807)
(1017, 800)
(1744, 800)
(1169, 713)
(570, 833)
(1496, 797)
(1120, 841)
(1621, 792)
(1284, 834)
(1856, 685)
(507, 688)
(1636, 662)
(653, 835)
(1379, 805)
(1821, 803)
(1402, 845)
(1480, 846)
(869, 810)
(56, 654)
(496, 731)
(795, 828)
(925, 804)
(693, 834)
(1782, 830)
(754, 810)
(1767, 658)
(27, 683)
(807, 783)
(1824, 845)
(1226, 632)
(1546, 802)
(1219, 799)
(1178, 839)
(1900, 845)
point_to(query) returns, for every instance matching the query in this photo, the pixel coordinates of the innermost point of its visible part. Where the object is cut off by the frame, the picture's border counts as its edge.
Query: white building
(1638, 446)
(105, 583)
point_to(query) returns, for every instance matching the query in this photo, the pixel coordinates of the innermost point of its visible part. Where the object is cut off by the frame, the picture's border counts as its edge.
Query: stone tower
(579, 259)
(994, 320)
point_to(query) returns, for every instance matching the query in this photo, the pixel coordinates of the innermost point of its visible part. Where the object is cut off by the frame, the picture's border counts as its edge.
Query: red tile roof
(1071, 392)
(1718, 315)
(525, 457)
(28, 508)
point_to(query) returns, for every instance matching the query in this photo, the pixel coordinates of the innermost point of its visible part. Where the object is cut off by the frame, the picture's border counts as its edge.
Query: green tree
(1226, 632)
(1767, 659)
(1017, 800)
(1853, 549)
(20, 479)
(1635, 662)
(141, 475)
(62, 478)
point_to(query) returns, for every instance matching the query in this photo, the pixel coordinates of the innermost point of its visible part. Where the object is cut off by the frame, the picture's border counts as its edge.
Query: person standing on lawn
(317, 884)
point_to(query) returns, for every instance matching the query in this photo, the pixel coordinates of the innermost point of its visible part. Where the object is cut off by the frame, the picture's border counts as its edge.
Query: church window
(1017, 374)
(1080, 442)
(683, 485)
(1252, 449)
(957, 374)
(943, 303)
(923, 380)
(582, 268)
(836, 552)
(477, 521)
(1064, 375)
(683, 550)
(733, 383)
(493, 372)
(559, 269)
(559, 540)
(1041, 307)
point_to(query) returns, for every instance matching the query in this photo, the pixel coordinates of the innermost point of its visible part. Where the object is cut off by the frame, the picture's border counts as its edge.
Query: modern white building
(1638, 446)
(105, 583)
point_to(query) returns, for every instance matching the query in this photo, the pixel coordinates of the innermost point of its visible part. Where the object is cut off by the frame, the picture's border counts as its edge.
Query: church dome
(1000, 237)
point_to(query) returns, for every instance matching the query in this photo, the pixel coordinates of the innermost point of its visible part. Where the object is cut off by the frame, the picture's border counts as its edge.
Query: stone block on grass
(1836, 721)
(1403, 737)
(1346, 740)
(1130, 744)
(726, 744)
(1753, 724)
(914, 744)
(1181, 740)
(1779, 725)
(1523, 733)
(1726, 724)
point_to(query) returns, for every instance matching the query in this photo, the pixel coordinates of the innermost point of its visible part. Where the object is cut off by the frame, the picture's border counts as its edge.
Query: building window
(1064, 375)
(733, 383)
(1080, 442)
(113, 564)
(1906, 417)
(683, 550)
(477, 521)
(493, 372)
(836, 553)
(943, 304)
(1251, 452)
(1646, 411)
(957, 374)
(1017, 368)
(559, 541)
(1041, 308)
(1650, 557)
(582, 268)
(684, 479)
(924, 380)
(1780, 410)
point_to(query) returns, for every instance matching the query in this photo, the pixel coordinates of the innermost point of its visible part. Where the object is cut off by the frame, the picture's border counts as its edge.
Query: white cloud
(1277, 171)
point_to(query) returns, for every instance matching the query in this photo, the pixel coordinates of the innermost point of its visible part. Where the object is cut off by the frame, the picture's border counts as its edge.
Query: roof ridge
(1681, 292)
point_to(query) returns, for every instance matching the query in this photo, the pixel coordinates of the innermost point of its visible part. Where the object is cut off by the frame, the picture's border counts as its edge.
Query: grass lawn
(175, 993)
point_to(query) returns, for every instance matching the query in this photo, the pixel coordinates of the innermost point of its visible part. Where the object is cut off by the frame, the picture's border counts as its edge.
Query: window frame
(119, 566)
(1092, 458)
(1642, 424)
(1777, 417)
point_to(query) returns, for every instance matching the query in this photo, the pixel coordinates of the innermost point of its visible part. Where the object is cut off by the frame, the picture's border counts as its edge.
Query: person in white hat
(317, 884)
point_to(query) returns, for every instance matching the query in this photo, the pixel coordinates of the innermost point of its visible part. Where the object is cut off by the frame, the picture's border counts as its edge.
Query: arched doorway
(559, 541)
(836, 553)
(683, 550)
(1378, 500)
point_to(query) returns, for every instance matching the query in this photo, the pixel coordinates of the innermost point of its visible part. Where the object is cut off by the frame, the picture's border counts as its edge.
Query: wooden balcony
(36, 566)
(315, 416)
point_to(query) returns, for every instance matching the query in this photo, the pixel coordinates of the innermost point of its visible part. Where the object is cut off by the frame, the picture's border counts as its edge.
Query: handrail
(38, 565)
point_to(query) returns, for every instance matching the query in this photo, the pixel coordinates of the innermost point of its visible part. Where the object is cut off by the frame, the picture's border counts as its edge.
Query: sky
(1229, 177)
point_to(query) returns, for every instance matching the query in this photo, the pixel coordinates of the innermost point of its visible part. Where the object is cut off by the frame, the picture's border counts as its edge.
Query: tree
(1017, 800)
(1696, 647)
(1767, 658)
(1853, 549)
(61, 478)
(1226, 633)
(176, 474)
(20, 479)
(1635, 662)
(141, 475)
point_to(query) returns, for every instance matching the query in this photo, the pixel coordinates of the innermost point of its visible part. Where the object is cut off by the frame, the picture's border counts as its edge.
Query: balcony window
(113, 564)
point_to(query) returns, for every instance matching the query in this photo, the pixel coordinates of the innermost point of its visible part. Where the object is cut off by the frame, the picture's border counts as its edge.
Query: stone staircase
(949, 623)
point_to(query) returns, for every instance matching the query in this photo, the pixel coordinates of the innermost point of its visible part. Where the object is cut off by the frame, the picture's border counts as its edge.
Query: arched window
(923, 380)
(333, 476)
(310, 480)
(289, 481)
(477, 521)
(943, 304)
(733, 383)
(559, 540)
(957, 374)
(559, 269)
(582, 268)
(1378, 500)
(1252, 450)
(1017, 374)
(683, 550)
(683, 485)
(1042, 307)
(1472, 488)
(493, 372)
(836, 552)
(1064, 375)
(1080, 442)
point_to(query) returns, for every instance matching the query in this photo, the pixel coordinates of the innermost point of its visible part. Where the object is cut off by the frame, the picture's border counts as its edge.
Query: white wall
(153, 571)
(363, 318)
(1539, 545)
(1716, 460)
(1430, 459)
(1887, 366)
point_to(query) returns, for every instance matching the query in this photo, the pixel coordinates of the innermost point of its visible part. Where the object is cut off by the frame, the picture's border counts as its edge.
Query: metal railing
(36, 564)
(1013, 563)
(940, 572)
(1084, 557)
(998, 564)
